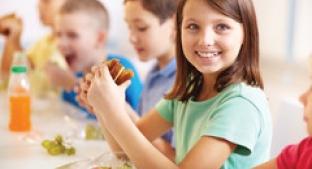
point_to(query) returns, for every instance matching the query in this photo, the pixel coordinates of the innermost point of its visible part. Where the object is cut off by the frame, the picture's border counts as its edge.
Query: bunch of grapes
(93, 133)
(58, 146)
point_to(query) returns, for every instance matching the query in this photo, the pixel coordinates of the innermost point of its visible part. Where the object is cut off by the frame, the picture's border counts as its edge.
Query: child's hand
(81, 96)
(102, 92)
(11, 28)
(60, 77)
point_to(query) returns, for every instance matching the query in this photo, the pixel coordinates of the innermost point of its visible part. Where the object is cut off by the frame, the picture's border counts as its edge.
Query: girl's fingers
(77, 89)
(125, 85)
(84, 86)
(88, 78)
(94, 68)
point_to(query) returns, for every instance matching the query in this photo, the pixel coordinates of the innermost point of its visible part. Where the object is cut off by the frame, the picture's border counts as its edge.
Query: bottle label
(20, 107)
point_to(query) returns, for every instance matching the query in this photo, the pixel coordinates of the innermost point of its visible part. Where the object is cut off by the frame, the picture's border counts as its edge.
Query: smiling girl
(217, 106)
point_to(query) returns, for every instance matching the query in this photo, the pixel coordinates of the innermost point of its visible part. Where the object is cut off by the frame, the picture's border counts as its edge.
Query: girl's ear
(102, 38)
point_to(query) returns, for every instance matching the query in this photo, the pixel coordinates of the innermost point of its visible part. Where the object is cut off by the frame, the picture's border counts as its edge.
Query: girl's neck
(207, 92)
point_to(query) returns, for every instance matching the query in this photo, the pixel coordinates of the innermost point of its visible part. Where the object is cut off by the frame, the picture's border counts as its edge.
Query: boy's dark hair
(94, 8)
(189, 80)
(162, 9)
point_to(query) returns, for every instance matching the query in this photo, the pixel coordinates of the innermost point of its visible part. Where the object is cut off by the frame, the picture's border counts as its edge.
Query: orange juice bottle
(19, 98)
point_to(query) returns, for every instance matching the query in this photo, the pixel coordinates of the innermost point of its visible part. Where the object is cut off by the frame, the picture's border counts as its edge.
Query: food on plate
(58, 146)
(118, 71)
(126, 165)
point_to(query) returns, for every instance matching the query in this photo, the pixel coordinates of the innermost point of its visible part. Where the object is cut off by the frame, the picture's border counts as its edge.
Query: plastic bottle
(19, 95)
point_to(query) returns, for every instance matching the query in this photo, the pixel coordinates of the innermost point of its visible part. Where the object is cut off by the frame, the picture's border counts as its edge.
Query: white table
(49, 118)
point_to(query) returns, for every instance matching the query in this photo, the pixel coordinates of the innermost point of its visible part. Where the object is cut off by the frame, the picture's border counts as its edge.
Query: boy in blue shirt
(81, 29)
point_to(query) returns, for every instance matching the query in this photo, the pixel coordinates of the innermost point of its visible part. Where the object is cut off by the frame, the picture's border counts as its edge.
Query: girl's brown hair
(189, 80)
(162, 9)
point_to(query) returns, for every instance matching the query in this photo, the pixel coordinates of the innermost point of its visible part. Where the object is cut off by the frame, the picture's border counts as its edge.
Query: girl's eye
(222, 27)
(192, 26)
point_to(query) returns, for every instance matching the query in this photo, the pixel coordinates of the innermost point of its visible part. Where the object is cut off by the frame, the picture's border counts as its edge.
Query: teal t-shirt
(239, 114)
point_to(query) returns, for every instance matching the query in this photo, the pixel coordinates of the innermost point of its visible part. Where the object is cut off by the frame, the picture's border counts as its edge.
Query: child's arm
(135, 140)
(12, 43)
(268, 165)
(59, 77)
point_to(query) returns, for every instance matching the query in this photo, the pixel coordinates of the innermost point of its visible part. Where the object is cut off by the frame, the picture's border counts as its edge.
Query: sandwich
(118, 71)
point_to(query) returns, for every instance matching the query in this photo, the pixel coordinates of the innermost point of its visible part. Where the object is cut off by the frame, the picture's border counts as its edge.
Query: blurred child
(81, 29)
(297, 155)
(217, 106)
(40, 53)
(152, 34)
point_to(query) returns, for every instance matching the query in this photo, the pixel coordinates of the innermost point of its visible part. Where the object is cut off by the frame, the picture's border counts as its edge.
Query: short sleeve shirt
(157, 83)
(39, 54)
(43, 50)
(239, 114)
(296, 156)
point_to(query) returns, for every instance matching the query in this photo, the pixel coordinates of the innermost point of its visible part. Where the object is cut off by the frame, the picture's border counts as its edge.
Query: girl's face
(211, 41)
(77, 39)
(149, 38)
(306, 100)
(48, 9)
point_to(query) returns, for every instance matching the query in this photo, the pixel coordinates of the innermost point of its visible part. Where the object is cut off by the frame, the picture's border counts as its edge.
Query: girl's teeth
(207, 54)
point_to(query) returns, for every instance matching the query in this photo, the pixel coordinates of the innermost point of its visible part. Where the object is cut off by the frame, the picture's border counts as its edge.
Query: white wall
(276, 25)
(303, 29)
(33, 29)
(273, 17)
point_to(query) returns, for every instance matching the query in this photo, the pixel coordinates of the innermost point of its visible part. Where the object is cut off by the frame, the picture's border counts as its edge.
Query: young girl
(298, 155)
(146, 21)
(217, 106)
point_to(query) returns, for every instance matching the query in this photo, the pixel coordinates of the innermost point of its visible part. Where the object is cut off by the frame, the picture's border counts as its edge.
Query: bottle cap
(19, 69)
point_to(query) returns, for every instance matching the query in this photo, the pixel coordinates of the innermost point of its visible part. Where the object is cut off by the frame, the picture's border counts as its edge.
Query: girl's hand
(82, 90)
(104, 95)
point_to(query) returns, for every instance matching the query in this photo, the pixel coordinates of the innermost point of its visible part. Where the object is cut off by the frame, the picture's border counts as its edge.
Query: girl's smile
(211, 42)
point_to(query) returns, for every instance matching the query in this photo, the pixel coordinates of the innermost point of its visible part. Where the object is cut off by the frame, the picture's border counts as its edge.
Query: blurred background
(285, 44)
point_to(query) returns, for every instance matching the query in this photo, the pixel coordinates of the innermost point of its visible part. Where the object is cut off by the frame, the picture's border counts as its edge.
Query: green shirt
(239, 114)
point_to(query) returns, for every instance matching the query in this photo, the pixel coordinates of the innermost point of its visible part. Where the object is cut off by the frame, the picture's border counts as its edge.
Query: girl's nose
(207, 37)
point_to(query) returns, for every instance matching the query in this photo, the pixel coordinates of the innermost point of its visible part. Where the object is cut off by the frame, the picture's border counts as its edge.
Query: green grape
(56, 149)
(93, 133)
(58, 146)
(126, 166)
(59, 139)
(46, 144)
(70, 151)
(90, 132)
